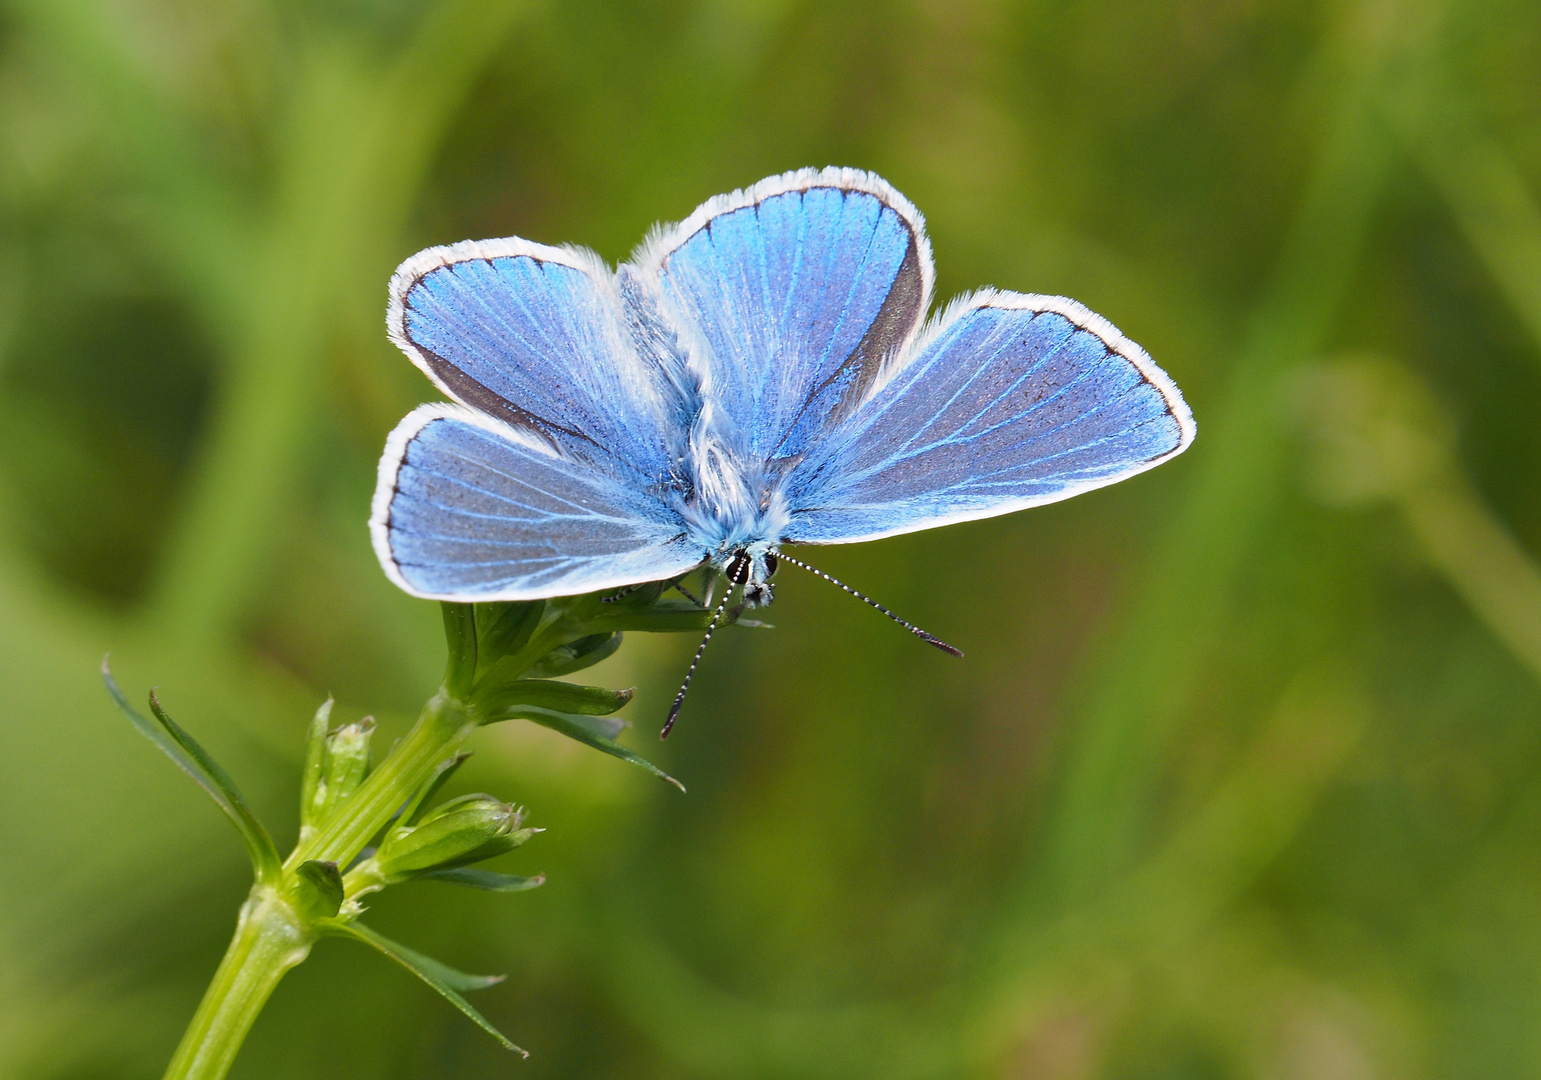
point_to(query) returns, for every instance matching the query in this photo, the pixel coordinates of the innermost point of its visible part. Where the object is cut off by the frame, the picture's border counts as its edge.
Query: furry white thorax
(734, 500)
(735, 504)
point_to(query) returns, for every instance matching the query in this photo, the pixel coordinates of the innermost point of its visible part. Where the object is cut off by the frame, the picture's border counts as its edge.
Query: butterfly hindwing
(471, 509)
(789, 297)
(1009, 401)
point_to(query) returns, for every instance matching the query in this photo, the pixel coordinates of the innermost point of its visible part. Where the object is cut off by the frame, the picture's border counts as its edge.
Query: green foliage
(577, 655)
(487, 880)
(340, 804)
(1236, 779)
(595, 731)
(566, 697)
(446, 980)
(192, 759)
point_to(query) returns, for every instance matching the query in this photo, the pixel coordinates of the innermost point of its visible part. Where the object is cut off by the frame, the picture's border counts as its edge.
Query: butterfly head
(752, 567)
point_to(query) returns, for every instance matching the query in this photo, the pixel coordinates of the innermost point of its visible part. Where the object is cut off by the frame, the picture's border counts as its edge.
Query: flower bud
(344, 764)
(461, 831)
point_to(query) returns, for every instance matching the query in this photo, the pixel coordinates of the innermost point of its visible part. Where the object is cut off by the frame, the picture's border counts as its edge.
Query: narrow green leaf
(315, 761)
(599, 727)
(561, 696)
(487, 880)
(460, 637)
(589, 730)
(318, 889)
(576, 655)
(443, 978)
(192, 759)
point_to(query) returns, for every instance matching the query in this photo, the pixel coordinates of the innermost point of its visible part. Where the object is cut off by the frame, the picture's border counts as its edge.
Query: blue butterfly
(761, 374)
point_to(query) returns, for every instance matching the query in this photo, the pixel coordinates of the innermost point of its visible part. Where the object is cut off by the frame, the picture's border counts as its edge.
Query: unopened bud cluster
(506, 662)
(458, 833)
(336, 763)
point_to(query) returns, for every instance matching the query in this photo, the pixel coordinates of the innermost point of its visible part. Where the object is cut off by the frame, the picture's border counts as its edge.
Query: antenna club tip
(940, 644)
(674, 714)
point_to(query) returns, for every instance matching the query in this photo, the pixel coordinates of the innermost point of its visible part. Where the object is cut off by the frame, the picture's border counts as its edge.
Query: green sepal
(317, 891)
(505, 628)
(487, 880)
(192, 759)
(592, 731)
(576, 655)
(460, 637)
(561, 696)
(315, 760)
(443, 978)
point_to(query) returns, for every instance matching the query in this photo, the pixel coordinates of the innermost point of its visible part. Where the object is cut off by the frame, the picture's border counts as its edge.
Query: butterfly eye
(770, 564)
(738, 569)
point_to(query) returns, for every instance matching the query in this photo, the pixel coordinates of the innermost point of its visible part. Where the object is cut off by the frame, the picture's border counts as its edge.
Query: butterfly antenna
(929, 639)
(711, 628)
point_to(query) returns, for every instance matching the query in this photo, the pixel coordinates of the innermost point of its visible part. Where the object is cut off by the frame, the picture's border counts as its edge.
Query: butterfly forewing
(536, 337)
(1013, 401)
(790, 296)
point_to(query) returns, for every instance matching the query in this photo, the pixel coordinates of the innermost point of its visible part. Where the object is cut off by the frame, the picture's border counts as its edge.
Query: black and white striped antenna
(737, 573)
(929, 639)
(690, 673)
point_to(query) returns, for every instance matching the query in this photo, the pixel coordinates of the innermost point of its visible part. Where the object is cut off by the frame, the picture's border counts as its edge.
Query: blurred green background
(1242, 775)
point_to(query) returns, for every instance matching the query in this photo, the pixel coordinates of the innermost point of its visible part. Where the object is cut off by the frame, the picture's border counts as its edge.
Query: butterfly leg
(688, 595)
(678, 585)
(621, 594)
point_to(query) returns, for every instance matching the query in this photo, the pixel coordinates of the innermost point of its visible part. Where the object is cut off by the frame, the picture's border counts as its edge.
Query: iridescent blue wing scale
(553, 480)
(469, 508)
(789, 296)
(1008, 401)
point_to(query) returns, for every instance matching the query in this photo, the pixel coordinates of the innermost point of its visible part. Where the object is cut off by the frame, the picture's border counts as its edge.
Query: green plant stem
(269, 940)
(270, 937)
